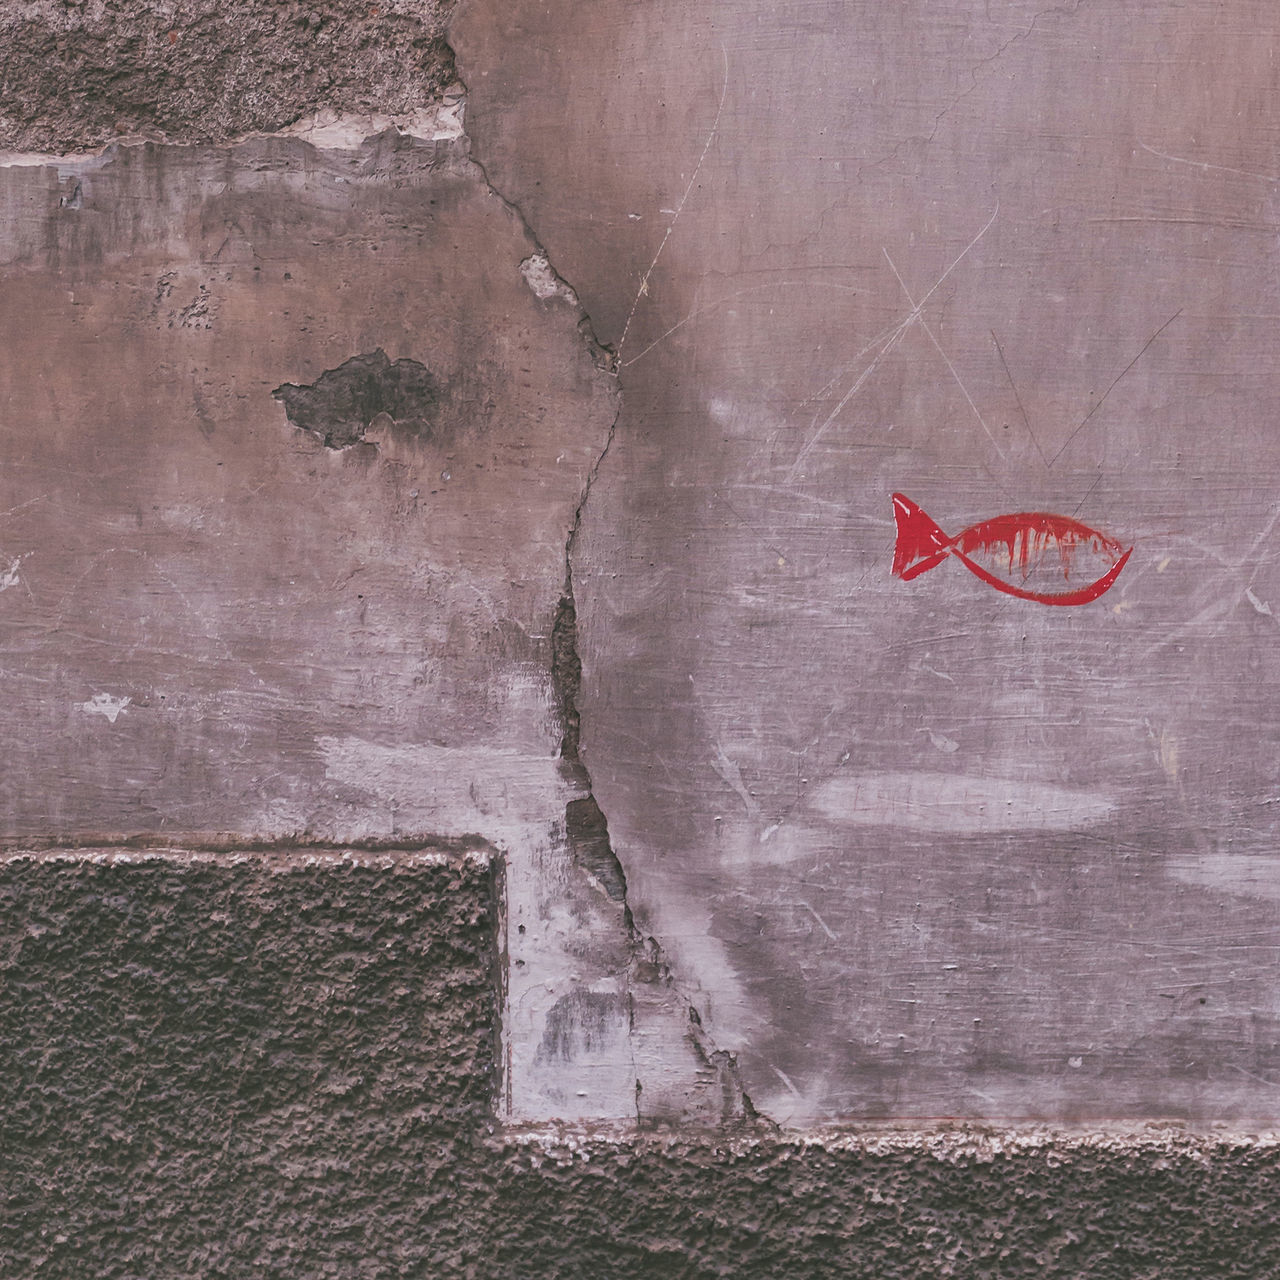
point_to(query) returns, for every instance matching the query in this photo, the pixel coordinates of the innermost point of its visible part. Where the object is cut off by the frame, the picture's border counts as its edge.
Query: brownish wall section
(324, 517)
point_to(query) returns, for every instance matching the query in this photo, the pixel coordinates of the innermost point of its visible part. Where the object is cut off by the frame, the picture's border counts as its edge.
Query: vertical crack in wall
(718, 1092)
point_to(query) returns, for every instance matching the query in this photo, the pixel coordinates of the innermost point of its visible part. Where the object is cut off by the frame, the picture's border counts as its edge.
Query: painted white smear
(957, 803)
(454, 789)
(1242, 874)
(9, 577)
(104, 704)
(1260, 605)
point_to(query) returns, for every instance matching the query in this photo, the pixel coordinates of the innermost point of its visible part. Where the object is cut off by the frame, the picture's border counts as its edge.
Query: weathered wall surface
(297, 435)
(358, 493)
(927, 848)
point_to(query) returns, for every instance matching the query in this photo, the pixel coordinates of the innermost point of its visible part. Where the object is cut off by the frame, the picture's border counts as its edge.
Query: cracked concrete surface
(571, 553)
(311, 303)
(922, 851)
(608, 592)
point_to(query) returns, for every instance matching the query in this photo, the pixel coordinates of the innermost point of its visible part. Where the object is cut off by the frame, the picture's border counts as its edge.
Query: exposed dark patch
(566, 672)
(649, 965)
(340, 406)
(586, 829)
(726, 1080)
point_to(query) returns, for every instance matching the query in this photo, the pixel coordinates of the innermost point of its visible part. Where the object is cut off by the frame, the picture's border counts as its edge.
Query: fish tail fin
(921, 543)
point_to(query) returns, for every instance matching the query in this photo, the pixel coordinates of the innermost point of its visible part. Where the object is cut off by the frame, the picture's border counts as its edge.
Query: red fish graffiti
(1025, 554)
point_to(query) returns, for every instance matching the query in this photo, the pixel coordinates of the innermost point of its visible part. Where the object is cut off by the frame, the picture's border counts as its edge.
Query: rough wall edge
(326, 130)
(212, 846)
(718, 1062)
(284, 857)
(947, 1144)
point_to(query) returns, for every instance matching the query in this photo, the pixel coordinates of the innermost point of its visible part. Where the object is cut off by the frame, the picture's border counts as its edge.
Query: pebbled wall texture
(80, 73)
(230, 1059)
(282, 1063)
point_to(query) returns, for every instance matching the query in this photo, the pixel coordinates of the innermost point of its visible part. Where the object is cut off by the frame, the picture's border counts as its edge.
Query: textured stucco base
(1159, 1206)
(281, 1063)
(266, 1064)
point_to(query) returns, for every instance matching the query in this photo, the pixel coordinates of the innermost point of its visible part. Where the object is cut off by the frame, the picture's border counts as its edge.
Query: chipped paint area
(108, 705)
(10, 577)
(540, 276)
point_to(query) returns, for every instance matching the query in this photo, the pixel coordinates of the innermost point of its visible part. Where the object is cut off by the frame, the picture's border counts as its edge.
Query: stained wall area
(477, 801)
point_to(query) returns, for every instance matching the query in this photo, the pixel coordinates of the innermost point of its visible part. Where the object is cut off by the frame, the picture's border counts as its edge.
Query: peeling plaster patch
(540, 276)
(957, 804)
(104, 704)
(326, 130)
(341, 405)
(337, 131)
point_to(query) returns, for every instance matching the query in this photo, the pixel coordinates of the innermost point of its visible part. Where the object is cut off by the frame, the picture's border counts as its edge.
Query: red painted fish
(1026, 554)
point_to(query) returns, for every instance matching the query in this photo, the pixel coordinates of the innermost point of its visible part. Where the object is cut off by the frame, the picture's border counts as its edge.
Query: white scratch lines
(1114, 382)
(924, 324)
(1260, 605)
(1215, 168)
(730, 297)
(679, 209)
(1026, 422)
(894, 336)
(822, 924)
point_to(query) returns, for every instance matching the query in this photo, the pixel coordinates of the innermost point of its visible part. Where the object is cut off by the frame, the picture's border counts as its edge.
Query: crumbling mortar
(604, 355)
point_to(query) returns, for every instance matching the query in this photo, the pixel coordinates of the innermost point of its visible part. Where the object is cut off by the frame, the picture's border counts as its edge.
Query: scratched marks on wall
(933, 843)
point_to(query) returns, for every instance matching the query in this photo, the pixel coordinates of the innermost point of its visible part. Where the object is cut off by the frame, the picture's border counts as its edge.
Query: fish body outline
(922, 545)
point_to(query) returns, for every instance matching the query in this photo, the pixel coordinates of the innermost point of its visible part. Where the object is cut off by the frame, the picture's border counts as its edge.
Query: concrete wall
(475, 454)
